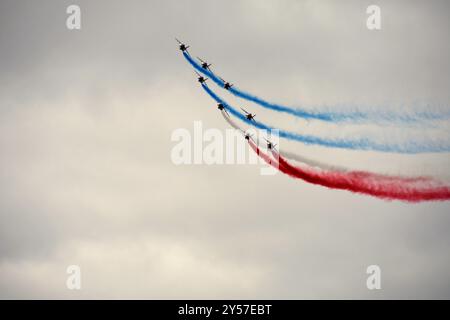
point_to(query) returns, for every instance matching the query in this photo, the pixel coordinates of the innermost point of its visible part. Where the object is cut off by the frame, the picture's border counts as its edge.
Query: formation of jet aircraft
(226, 85)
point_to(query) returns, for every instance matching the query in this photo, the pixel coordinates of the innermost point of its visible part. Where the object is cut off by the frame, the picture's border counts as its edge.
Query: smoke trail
(206, 72)
(383, 187)
(289, 155)
(231, 122)
(328, 167)
(359, 144)
(351, 116)
(311, 162)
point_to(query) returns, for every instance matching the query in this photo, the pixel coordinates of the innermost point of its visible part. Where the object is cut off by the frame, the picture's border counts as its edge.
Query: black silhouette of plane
(201, 79)
(182, 46)
(226, 84)
(205, 65)
(270, 145)
(221, 107)
(248, 136)
(248, 115)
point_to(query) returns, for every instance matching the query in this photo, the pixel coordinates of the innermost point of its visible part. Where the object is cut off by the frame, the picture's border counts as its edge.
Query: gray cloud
(86, 177)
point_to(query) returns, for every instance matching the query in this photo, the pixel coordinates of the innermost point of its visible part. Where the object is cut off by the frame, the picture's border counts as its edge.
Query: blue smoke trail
(360, 144)
(353, 116)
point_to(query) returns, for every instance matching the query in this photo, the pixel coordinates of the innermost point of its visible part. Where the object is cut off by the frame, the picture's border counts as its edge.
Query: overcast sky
(86, 118)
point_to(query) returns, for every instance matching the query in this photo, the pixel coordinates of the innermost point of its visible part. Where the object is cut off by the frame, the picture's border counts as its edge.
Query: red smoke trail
(380, 186)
